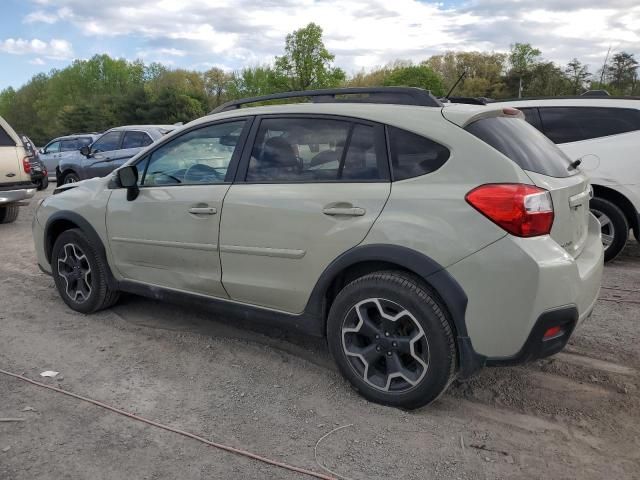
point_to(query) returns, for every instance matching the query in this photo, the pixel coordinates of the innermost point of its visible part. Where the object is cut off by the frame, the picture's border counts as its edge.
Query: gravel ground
(576, 415)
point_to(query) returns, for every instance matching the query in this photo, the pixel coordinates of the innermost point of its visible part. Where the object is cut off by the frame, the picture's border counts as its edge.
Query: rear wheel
(80, 273)
(613, 225)
(43, 183)
(9, 213)
(391, 339)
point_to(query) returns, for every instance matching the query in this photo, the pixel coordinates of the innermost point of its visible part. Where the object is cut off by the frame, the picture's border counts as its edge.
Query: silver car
(108, 152)
(63, 149)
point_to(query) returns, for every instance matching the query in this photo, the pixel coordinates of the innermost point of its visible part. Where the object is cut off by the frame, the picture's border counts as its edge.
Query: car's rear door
(168, 235)
(308, 190)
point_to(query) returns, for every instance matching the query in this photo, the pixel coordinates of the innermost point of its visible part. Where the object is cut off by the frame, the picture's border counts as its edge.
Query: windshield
(522, 143)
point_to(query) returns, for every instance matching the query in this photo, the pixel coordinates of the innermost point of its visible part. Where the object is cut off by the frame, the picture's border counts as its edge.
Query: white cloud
(55, 49)
(37, 61)
(362, 33)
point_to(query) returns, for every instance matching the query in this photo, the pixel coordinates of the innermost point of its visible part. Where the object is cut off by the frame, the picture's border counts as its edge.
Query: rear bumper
(518, 286)
(12, 196)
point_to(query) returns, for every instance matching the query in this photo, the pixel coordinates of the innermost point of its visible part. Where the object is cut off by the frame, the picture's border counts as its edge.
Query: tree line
(102, 92)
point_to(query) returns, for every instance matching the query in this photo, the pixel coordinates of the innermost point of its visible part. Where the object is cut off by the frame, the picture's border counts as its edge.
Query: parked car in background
(108, 152)
(64, 148)
(423, 242)
(16, 187)
(604, 133)
(39, 174)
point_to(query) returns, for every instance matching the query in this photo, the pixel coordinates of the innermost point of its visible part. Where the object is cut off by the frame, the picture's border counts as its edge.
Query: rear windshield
(523, 144)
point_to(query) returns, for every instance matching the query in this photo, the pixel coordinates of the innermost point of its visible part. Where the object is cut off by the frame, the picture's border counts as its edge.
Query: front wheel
(80, 273)
(391, 339)
(70, 177)
(613, 225)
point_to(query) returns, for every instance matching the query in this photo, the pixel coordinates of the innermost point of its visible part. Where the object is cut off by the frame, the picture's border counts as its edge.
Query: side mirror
(86, 151)
(41, 151)
(128, 178)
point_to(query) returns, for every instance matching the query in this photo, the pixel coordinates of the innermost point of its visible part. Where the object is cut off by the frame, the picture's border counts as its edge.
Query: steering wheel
(200, 171)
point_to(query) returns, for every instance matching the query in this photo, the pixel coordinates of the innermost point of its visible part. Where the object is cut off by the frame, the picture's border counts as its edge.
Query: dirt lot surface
(576, 415)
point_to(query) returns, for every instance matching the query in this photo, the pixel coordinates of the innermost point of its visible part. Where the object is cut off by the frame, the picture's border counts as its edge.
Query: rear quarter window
(5, 139)
(414, 155)
(523, 144)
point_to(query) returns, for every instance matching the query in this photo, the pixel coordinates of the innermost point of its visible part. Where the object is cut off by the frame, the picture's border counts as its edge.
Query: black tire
(9, 214)
(615, 226)
(95, 293)
(431, 338)
(43, 183)
(70, 177)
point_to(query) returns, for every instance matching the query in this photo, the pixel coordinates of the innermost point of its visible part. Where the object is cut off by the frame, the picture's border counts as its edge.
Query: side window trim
(381, 152)
(233, 164)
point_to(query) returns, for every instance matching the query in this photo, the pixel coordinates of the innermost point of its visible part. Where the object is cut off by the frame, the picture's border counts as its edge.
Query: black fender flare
(434, 274)
(83, 224)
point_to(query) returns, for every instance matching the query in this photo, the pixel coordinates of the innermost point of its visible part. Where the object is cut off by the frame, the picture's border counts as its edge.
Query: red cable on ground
(220, 446)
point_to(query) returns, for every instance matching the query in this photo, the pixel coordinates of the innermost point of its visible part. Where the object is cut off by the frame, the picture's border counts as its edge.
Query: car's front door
(168, 235)
(104, 152)
(310, 189)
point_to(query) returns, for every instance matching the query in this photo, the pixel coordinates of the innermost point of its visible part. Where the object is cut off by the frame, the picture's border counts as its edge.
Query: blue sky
(39, 35)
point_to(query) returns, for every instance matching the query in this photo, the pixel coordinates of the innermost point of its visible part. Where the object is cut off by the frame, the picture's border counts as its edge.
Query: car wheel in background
(613, 225)
(70, 177)
(80, 273)
(391, 339)
(9, 213)
(43, 183)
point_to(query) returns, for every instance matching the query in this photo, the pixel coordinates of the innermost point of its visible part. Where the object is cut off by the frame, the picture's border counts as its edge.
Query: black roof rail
(389, 95)
(468, 100)
(569, 97)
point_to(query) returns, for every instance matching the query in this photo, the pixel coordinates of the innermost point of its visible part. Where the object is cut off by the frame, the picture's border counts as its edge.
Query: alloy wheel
(606, 227)
(385, 345)
(74, 268)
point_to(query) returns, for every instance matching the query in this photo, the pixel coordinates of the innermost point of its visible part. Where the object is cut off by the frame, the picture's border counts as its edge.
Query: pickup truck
(16, 187)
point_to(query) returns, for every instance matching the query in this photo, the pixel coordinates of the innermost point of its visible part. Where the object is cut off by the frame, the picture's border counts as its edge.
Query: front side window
(84, 141)
(108, 142)
(53, 147)
(315, 150)
(572, 124)
(200, 156)
(136, 140)
(414, 155)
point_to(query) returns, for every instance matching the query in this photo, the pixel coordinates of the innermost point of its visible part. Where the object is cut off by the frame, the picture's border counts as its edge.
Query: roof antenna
(464, 72)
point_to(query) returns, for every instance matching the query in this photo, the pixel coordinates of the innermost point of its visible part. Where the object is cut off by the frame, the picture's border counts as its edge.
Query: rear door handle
(348, 211)
(203, 210)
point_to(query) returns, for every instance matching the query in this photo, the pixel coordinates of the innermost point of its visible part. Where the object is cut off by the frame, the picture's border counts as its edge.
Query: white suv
(15, 174)
(423, 242)
(604, 132)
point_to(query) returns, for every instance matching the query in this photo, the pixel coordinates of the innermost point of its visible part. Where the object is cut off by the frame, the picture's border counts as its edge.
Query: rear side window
(572, 124)
(523, 144)
(5, 139)
(413, 155)
(136, 140)
(69, 145)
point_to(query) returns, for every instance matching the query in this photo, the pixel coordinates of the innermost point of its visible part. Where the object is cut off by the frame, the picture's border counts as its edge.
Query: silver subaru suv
(423, 242)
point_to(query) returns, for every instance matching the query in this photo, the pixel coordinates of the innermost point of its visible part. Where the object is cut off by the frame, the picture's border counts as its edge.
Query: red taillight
(522, 210)
(510, 111)
(26, 165)
(552, 333)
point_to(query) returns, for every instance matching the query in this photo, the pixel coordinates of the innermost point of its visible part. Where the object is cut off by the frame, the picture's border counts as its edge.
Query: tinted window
(5, 139)
(523, 144)
(413, 155)
(314, 150)
(197, 157)
(572, 124)
(69, 145)
(532, 116)
(109, 141)
(136, 140)
(53, 147)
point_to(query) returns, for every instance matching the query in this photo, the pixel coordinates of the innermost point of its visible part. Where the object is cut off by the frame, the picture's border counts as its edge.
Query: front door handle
(203, 210)
(347, 211)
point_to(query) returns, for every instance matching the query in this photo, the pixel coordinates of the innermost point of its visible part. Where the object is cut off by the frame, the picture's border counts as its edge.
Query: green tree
(306, 63)
(416, 76)
(548, 80)
(522, 59)
(577, 73)
(216, 85)
(622, 72)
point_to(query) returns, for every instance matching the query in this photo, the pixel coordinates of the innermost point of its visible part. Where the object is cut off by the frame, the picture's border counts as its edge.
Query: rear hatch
(547, 167)
(11, 154)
